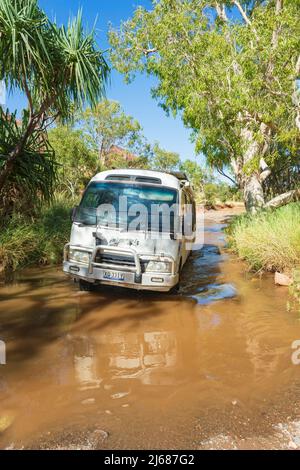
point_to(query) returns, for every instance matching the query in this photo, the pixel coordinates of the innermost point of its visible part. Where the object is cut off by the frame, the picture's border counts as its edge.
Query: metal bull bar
(137, 269)
(117, 251)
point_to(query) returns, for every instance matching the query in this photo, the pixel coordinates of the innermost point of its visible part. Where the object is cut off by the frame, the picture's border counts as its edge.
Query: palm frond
(58, 65)
(85, 70)
(23, 49)
(60, 69)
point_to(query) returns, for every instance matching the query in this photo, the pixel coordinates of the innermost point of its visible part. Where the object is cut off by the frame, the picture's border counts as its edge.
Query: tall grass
(40, 239)
(268, 241)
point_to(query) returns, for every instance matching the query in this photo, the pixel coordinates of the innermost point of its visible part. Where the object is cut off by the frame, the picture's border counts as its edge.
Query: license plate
(114, 276)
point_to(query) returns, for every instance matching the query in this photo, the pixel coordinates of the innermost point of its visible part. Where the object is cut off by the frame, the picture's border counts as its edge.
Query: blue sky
(136, 97)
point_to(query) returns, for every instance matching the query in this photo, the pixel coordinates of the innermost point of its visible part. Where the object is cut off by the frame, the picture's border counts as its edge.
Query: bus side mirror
(73, 213)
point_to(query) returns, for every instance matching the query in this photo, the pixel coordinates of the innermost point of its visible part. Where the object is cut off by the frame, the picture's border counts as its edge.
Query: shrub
(269, 240)
(40, 239)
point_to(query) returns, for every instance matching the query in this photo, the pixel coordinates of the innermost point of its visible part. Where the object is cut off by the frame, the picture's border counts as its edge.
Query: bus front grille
(118, 260)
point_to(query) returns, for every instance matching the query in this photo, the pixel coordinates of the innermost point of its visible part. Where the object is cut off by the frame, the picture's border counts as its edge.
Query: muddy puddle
(121, 369)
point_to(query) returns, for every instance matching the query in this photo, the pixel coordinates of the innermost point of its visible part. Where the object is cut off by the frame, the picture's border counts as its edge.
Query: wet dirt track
(209, 367)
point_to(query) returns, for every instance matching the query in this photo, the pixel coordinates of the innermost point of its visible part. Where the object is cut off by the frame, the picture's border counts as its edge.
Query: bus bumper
(120, 275)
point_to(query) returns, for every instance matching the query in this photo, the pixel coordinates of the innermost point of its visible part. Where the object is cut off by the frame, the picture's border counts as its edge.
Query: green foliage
(233, 81)
(163, 160)
(59, 69)
(17, 241)
(34, 174)
(108, 125)
(285, 175)
(54, 227)
(36, 240)
(116, 161)
(54, 65)
(195, 174)
(269, 240)
(211, 194)
(216, 193)
(76, 158)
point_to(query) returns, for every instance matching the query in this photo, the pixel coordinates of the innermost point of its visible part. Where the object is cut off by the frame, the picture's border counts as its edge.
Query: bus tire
(176, 289)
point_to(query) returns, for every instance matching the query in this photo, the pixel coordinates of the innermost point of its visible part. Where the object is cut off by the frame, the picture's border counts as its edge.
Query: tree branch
(284, 199)
(150, 51)
(279, 5)
(242, 12)
(221, 11)
(298, 67)
(28, 95)
(219, 170)
(245, 16)
(146, 52)
(296, 99)
(265, 170)
(274, 42)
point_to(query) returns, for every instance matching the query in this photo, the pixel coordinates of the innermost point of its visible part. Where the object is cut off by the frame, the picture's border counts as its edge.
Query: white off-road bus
(133, 228)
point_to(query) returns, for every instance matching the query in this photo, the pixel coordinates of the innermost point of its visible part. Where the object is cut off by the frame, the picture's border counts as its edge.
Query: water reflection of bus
(134, 356)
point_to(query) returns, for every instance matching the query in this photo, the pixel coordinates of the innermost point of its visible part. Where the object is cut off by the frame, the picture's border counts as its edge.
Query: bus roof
(172, 180)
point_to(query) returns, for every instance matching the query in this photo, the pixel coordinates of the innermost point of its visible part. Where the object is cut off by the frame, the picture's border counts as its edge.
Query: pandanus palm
(59, 69)
(34, 172)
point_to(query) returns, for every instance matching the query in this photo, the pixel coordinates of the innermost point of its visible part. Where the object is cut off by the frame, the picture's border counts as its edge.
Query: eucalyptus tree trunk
(250, 179)
(102, 158)
(253, 193)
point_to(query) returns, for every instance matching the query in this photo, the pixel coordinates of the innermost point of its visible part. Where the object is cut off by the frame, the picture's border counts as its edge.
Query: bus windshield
(120, 205)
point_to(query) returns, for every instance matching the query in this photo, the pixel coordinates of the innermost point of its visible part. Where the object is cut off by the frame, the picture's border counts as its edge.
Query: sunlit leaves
(164, 160)
(107, 124)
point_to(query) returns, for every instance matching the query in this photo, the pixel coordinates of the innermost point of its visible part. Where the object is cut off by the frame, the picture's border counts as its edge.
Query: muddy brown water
(121, 369)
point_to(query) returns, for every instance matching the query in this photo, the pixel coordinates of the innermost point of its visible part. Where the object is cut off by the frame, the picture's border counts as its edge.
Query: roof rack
(182, 177)
(135, 178)
(179, 175)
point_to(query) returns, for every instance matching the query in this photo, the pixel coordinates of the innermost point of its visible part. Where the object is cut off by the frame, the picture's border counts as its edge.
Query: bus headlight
(159, 267)
(79, 256)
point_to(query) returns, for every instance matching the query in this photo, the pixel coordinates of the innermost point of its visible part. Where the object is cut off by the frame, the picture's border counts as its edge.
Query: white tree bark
(265, 170)
(221, 11)
(253, 193)
(252, 183)
(296, 97)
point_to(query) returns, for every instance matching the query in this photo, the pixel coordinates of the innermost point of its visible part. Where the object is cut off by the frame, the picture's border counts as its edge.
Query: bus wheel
(176, 289)
(85, 286)
(179, 270)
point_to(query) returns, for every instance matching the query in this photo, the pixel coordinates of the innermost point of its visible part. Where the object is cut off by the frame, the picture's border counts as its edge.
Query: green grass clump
(269, 240)
(26, 241)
